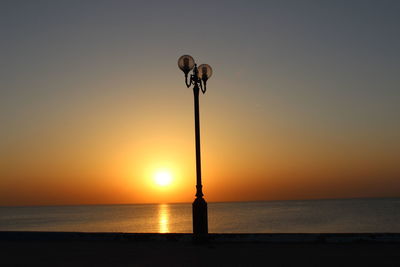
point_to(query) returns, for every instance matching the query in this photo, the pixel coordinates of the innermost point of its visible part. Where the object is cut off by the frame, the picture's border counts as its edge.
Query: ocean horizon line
(178, 203)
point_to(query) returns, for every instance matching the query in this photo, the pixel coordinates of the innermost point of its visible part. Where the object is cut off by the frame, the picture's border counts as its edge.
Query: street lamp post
(198, 79)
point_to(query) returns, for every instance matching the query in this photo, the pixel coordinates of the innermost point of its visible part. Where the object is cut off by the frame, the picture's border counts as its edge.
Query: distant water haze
(309, 216)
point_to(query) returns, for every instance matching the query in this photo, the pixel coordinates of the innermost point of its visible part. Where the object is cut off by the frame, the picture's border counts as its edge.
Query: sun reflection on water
(163, 218)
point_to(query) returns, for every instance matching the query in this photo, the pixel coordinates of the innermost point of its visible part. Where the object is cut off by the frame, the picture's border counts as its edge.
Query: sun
(163, 178)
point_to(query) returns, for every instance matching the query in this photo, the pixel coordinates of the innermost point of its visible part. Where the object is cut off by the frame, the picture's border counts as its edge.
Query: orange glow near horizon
(119, 165)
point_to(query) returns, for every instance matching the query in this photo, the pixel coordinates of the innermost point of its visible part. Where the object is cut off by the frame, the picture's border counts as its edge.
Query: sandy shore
(80, 249)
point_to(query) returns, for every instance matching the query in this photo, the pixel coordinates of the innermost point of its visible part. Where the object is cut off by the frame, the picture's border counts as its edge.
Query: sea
(294, 216)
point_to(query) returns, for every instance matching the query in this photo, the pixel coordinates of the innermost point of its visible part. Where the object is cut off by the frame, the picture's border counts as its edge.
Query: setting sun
(163, 178)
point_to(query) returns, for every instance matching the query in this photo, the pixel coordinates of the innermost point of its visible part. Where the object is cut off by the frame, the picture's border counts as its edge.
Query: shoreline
(136, 249)
(212, 237)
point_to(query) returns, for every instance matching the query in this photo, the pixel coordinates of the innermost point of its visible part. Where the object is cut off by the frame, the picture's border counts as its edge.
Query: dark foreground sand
(173, 251)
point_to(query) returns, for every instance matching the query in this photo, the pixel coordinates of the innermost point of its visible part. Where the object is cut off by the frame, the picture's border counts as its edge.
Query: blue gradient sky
(304, 101)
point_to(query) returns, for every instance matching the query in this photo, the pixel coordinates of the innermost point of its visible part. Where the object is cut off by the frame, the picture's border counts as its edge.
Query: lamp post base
(200, 221)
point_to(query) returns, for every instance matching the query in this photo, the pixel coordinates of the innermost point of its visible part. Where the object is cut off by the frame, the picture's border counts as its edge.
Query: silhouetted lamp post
(198, 78)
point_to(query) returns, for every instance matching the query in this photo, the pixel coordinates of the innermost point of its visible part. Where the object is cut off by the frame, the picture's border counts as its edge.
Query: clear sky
(303, 102)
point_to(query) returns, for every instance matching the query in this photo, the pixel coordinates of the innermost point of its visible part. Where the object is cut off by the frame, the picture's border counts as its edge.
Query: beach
(117, 249)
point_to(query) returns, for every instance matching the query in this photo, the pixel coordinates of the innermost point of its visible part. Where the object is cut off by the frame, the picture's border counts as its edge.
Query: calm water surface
(324, 216)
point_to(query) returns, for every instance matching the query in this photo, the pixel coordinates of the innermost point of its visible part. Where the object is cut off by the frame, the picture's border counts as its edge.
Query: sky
(303, 102)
